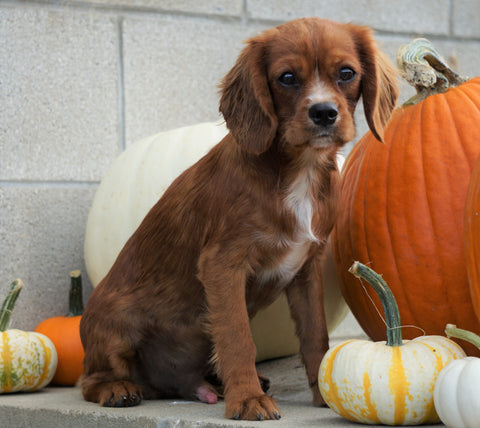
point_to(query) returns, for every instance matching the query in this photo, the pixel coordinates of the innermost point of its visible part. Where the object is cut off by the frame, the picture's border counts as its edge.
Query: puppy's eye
(288, 79)
(346, 75)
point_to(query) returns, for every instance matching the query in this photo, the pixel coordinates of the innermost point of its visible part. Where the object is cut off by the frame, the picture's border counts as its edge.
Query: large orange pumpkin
(402, 213)
(64, 332)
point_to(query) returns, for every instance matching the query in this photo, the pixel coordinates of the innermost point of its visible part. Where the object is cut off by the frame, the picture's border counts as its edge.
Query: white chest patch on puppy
(298, 201)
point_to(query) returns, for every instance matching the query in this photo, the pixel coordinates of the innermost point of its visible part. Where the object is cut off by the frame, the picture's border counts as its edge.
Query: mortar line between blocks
(450, 18)
(58, 184)
(244, 15)
(121, 87)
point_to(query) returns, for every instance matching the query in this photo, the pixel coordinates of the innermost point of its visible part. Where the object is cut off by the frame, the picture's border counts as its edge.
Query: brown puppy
(247, 222)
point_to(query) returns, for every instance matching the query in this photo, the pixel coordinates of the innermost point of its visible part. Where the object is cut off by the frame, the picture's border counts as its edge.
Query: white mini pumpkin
(457, 390)
(390, 382)
(134, 183)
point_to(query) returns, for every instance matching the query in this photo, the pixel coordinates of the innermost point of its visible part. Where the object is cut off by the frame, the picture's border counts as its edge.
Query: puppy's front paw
(257, 408)
(119, 394)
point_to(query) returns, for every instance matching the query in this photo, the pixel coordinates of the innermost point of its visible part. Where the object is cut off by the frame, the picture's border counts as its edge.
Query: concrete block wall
(80, 80)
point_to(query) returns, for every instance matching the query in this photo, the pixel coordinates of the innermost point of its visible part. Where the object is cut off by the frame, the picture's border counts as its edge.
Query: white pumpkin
(457, 390)
(134, 183)
(390, 382)
(375, 383)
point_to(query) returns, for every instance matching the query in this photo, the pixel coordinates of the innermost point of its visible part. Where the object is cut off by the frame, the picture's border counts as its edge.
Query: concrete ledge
(64, 407)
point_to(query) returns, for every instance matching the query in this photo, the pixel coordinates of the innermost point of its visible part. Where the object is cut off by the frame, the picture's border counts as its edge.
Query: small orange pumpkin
(64, 332)
(402, 210)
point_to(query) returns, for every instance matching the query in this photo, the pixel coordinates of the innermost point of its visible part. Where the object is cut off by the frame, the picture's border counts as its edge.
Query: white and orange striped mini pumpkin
(390, 382)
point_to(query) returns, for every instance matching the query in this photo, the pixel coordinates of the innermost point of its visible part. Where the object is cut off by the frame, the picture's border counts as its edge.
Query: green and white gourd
(28, 360)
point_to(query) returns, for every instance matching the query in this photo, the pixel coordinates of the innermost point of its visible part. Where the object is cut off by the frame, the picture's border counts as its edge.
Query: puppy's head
(301, 81)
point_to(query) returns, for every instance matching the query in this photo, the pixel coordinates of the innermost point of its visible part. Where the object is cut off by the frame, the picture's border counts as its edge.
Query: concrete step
(59, 407)
(64, 408)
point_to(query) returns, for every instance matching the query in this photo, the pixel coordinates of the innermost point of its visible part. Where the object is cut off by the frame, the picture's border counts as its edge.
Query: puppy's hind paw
(120, 394)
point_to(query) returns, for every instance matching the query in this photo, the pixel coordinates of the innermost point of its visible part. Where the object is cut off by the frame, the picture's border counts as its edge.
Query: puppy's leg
(234, 347)
(305, 299)
(108, 367)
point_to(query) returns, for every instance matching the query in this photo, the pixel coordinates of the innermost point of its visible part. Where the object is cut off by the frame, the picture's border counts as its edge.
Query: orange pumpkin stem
(9, 304)
(425, 69)
(75, 301)
(390, 307)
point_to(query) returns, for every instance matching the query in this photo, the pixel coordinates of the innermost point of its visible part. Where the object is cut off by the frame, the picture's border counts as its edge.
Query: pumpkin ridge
(430, 412)
(439, 103)
(327, 379)
(353, 167)
(371, 302)
(466, 98)
(364, 172)
(471, 90)
(399, 385)
(437, 178)
(364, 158)
(348, 162)
(471, 231)
(461, 94)
(6, 356)
(370, 412)
(474, 98)
(457, 97)
(426, 149)
(391, 214)
(45, 370)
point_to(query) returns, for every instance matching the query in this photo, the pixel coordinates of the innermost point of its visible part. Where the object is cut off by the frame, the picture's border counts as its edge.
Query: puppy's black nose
(323, 113)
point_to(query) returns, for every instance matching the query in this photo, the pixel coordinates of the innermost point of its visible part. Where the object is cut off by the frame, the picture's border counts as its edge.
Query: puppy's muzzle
(323, 114)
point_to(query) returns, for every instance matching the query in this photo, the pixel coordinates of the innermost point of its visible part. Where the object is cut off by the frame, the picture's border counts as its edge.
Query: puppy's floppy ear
(246, 102)
(379, 81)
